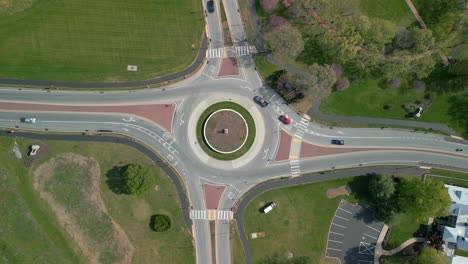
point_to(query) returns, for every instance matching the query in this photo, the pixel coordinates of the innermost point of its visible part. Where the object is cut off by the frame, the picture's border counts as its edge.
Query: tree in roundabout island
(137, 179)
(160, 223)
(221, 119)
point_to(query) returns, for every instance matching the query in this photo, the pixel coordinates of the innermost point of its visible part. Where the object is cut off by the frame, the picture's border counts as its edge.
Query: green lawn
(451, 177)
(30, 229)
(264, 67)
(237, 252)
(366, 98)
(396, 11)
(299, 224)
(91, 40)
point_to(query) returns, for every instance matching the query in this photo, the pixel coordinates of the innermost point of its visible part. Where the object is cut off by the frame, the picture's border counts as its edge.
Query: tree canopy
(381, 187)
(430, 255)
(138, 178)
(285, 41)
(424, 199)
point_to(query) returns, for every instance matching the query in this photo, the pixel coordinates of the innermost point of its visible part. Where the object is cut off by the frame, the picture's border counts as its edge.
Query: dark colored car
(260, 101)
(285, 120)
(210, 6)
(337, 142)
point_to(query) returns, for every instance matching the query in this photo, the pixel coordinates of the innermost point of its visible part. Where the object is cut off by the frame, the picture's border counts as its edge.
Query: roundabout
(225, 131)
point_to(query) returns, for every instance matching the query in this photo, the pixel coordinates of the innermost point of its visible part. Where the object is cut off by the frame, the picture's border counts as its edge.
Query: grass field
(394, 10)
(95, 40)
(31, 230)
(366, 98)
(298, 225)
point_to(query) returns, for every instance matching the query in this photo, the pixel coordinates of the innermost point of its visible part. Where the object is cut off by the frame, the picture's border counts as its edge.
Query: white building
(456, 230)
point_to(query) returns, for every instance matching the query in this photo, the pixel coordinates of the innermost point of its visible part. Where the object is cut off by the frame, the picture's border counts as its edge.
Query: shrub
(137, 179)
(269, 5)
(160, 223)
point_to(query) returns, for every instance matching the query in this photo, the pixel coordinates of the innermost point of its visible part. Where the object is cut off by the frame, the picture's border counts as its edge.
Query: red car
(285, 120)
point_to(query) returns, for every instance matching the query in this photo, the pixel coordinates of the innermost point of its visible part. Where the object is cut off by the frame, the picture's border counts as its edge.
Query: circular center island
(226, 130)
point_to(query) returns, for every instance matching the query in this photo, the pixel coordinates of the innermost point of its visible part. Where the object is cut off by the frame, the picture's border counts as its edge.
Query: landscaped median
(209, 135)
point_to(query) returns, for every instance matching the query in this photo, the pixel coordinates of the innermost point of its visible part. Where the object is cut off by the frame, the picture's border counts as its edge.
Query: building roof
(458, 260)
(458, 195)
(456, 230)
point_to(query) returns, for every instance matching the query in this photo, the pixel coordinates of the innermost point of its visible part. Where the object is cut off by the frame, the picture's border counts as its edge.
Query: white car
(268, 207)
(33, 150)
(30, 120)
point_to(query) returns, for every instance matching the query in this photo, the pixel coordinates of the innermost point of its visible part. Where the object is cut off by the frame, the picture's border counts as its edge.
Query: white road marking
(266, 153)
(130, 119)
(342, 217)
(181, 120)
(242, 50)
(334, 241)
(373, 228)
(215, 53)
(370, 236)
(345, 210)
(124, 129)
(334, 249)
(339, 234)
(339, 225)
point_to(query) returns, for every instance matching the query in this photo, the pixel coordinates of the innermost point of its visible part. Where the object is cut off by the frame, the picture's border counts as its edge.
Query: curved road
(177, 145)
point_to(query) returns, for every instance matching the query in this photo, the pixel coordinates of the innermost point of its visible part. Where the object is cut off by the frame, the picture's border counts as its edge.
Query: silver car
(31, 120)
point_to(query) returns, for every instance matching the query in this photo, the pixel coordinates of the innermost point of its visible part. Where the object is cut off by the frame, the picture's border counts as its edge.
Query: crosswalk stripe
(242, 50)
(216, 53)
(211, 215)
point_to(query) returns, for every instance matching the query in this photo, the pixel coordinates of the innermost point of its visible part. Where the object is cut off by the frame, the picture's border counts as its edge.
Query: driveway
(353, 234)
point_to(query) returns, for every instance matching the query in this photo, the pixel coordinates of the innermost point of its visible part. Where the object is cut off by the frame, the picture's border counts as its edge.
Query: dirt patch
(70, 185)
(226, 131)
(342, 190)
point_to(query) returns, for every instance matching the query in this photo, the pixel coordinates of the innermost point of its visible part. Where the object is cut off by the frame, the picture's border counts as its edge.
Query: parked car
(33, 150)
(210, 6)
(31, 120)
(260, 101)
(337, 142)
(268, 207)
(285, 120)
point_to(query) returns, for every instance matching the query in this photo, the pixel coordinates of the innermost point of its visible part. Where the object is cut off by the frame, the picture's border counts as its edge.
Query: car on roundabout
(259, 100)
(285, 120)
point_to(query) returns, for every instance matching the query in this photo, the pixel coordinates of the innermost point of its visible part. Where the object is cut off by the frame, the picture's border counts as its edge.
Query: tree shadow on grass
(360, 188)
(115, 180)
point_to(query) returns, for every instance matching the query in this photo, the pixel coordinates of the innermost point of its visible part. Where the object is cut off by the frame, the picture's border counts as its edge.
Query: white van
(268, 207)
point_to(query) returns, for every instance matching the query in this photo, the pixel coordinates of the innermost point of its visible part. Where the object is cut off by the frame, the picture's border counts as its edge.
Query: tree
(320, 80)
(300, 11)
(381, 187)
(285, 41)
(160, 223)
(458, 111)
(138, 179)
(424, 199)
(429, 255)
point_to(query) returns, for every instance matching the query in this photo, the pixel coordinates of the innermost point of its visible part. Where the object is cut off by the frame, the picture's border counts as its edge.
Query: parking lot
(353, 234)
